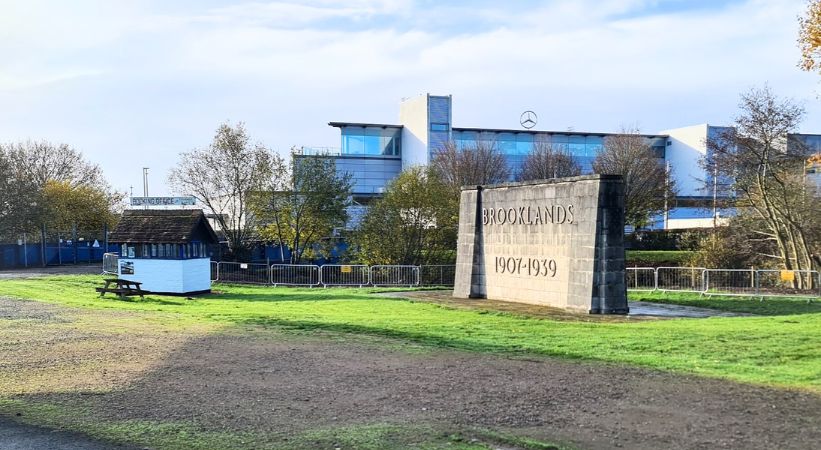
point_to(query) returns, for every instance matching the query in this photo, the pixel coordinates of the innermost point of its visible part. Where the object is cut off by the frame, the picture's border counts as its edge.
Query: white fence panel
(395, 275)
(640, 278)
(437, 275)
(730, 282)
(789, 283)
(295, 275)
(685, 279)
(234, 272)
(345, 275)
(110, 263)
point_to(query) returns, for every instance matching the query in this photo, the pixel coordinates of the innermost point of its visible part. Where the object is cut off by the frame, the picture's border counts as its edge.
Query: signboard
(163, 201)
(126, 268)
(787, 275)
(345, 269)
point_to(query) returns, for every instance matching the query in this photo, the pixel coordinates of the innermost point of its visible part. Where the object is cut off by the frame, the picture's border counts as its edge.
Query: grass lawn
(778, 350)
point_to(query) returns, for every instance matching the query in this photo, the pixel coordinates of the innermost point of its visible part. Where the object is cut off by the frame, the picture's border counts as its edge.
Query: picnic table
(124, 288)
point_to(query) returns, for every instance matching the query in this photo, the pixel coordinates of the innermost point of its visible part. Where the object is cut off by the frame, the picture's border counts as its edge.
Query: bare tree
(20, 197)
(646, 182)
(767, 169)
(548, 160)
(224, 176)
(44, 162)
(479, 163)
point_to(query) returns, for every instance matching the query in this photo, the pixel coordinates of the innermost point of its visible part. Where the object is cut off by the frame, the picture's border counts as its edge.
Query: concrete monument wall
(556, 242)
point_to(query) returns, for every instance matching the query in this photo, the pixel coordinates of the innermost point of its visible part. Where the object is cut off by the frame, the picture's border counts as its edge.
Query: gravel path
(80, 269)
(266, 381)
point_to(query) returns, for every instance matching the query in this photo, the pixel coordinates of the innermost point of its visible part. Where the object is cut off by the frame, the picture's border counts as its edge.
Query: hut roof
(163, 226)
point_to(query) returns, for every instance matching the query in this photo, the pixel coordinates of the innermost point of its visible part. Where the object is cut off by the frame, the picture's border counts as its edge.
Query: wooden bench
(124, 288)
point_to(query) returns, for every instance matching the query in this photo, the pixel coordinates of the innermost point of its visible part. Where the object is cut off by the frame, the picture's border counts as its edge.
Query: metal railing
(110, 263)
(215, 271)
(295, 275)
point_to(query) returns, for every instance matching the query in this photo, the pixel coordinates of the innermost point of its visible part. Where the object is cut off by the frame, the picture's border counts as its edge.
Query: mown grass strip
(778, 350)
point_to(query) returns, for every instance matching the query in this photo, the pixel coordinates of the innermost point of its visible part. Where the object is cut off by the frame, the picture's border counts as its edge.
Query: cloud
(147, 75)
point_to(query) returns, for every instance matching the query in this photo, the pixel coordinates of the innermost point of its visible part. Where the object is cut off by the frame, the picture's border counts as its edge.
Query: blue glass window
(439, 127)
(371, 141)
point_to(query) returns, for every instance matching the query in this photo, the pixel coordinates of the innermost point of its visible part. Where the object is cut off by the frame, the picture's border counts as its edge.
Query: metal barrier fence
(215, 271)
(739, 282)
(730, 282)
(395, 275)
(640, 278)
(437, 275)
(684, 279)
(295, 275)
(110, 263)
(231, 272)
(801, 283)
(742, 282)
(345, 275)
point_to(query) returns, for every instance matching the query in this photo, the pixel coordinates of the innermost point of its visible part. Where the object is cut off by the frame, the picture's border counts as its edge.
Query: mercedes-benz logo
(528, 119)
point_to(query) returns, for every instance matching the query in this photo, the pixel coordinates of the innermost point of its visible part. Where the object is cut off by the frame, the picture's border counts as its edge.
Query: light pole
(145, 181)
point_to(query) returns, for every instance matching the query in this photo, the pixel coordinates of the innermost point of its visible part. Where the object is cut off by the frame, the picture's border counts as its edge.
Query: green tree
(87, 207)
(306, 207)
(223, 177)
(415, 222)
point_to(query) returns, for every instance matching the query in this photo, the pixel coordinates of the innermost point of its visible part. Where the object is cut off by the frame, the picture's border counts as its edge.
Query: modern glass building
(376, 153)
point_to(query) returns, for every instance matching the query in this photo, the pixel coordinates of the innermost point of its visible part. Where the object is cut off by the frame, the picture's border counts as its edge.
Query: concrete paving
(16, 436)
(666, 310)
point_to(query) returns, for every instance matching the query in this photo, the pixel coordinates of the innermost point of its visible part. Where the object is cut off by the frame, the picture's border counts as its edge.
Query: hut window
(124, 250)
(146, 253)
(153, 250)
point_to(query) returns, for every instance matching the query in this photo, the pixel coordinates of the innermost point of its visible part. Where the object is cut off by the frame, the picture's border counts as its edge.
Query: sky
(133, 83)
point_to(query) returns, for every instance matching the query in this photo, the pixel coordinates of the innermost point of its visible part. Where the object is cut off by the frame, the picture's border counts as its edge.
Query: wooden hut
(165, 250)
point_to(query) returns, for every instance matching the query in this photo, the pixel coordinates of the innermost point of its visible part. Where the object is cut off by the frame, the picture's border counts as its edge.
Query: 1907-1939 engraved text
(535, 267)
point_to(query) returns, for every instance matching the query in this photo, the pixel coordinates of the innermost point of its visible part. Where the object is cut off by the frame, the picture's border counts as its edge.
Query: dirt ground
(271, 381)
